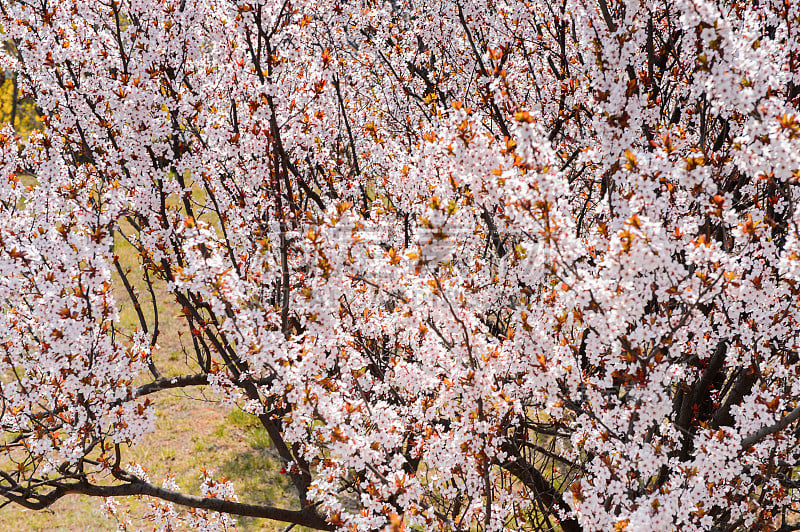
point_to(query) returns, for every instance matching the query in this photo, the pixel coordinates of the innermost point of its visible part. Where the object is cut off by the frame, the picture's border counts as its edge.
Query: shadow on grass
(256, 471)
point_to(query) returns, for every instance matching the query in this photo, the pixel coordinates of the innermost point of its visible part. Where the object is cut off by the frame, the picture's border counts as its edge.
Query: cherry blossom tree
(475, 265)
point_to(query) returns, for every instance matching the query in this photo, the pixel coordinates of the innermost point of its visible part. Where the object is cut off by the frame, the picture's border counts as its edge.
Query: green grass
(193, 431)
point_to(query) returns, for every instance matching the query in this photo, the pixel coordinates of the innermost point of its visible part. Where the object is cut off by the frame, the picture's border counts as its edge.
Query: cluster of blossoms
(475, 265)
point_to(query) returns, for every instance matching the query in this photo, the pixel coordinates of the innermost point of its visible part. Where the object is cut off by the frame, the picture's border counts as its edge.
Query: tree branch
(759, 435)
(307, 517)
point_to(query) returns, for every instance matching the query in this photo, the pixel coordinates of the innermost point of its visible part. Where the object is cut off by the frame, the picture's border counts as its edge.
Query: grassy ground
(190, 433)
(193, 431)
